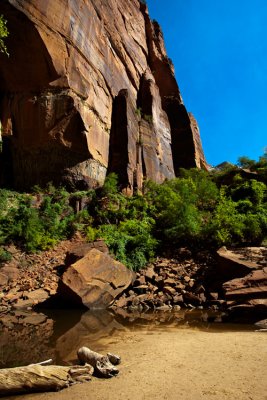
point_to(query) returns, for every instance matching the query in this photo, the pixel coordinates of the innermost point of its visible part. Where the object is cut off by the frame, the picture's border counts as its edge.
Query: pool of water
(30, 337)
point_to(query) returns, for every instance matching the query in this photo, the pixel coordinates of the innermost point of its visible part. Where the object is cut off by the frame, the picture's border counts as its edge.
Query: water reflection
(32, 337)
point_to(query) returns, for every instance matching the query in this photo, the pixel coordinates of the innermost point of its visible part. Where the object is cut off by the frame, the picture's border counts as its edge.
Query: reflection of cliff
(90, 331)
(28, 337)
(88, 88)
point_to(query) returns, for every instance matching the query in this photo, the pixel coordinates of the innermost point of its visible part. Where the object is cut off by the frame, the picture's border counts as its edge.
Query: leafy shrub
(35, 227)
(110, 186)
(227, 225)
(5, 256)
(251, 190)
(195, 209)
(131, 241)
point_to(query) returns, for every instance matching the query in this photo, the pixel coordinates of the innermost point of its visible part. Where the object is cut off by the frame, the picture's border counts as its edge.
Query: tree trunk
(39, 378)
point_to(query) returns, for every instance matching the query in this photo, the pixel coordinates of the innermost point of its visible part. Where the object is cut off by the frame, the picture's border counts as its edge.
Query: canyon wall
(88, 89)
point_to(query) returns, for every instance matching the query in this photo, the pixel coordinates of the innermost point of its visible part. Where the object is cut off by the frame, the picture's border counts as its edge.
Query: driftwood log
(104, 366)
(42, 377)
(39, 378)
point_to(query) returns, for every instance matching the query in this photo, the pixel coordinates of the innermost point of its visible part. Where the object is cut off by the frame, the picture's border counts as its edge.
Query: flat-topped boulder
(253, 285)
(247, 295)
(236, 264)
(95, 280)
(82, 249)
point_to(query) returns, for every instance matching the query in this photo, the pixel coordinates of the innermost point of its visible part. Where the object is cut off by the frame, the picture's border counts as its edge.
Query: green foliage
(227, 224)
(252, 190)
(110, 186)
(246, 162)
(192, 210)
(195, 209)
(91, 233)
(182, 206)
(131, 241)
(3, 34)
(5, 256)
(35, 227)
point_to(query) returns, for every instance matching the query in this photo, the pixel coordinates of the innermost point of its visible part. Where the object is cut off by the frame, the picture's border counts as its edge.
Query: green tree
(246, 162)
(3, 34)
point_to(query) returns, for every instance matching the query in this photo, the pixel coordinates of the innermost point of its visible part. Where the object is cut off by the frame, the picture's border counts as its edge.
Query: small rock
(141, 288)
(122, 302)
(186, 278)
(23, 304)
(163, 308)
(38, 295)
(179, 286)
(178, 299)
(202, 297)
(192, 298)
(140, 281)
(200, 289)
(170, 290)
(159, 280)
(191, 283)
(214, 295)
(150, 273)
(35, 319)
(262, 324)
(170, 282)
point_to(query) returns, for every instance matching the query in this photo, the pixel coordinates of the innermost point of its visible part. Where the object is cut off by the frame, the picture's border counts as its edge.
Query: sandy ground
(186, 364)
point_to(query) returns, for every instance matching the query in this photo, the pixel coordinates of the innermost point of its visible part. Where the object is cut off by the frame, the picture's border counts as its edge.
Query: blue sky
(219, 50)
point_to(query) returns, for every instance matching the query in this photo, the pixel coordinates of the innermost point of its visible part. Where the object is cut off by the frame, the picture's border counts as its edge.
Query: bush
(5, 256)
(191, 210)
(131, 241)
(227, 225)
(35, 227)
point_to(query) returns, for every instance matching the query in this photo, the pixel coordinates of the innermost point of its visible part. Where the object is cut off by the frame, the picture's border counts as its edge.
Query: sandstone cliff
(88, 88)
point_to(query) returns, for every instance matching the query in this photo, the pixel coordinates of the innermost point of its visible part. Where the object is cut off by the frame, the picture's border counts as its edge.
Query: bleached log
(39, 378)
(103, 365)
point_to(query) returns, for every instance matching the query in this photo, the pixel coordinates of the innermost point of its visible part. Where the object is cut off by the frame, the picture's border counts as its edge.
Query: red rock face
(87, 89)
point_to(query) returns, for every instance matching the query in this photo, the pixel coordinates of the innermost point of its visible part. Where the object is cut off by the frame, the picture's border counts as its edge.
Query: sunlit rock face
(87, 89)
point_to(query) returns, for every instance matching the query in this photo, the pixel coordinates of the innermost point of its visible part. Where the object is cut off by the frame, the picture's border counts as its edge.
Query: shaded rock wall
(88, 88)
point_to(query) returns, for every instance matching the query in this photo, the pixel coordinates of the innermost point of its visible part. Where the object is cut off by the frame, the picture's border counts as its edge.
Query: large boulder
(253, 285)
(247, 296)
(95, 280)
(82, 249)
(234, 264)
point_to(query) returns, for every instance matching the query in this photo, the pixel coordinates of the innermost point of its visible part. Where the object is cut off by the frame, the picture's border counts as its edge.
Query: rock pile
(235, 281)
(169, 284)
(29, 279)
(246, 294)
